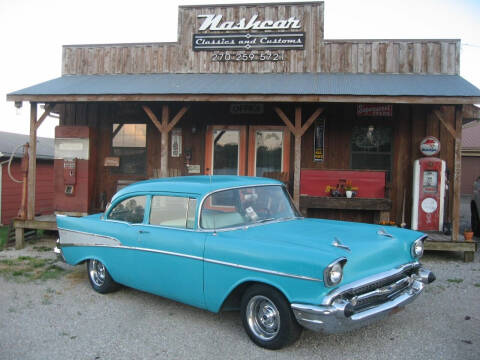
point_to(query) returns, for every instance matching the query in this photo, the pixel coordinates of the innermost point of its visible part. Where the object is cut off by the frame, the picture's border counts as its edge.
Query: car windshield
(246, 206)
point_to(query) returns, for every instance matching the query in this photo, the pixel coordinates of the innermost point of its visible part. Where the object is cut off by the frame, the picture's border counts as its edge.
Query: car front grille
(370, 294)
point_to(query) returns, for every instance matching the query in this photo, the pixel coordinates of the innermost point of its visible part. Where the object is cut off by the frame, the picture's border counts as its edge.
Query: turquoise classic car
(229, 243)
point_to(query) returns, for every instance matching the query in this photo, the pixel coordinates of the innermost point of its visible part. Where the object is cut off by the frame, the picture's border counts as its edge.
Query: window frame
(122, 199)
(189, 197)
(117, 170)
(377, 124)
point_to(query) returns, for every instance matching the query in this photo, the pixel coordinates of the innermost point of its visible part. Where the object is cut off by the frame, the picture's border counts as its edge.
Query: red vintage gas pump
(73, 170)
(428, 188)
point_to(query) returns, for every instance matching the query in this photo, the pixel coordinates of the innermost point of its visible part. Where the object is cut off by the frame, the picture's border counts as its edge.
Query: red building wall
(11, 194)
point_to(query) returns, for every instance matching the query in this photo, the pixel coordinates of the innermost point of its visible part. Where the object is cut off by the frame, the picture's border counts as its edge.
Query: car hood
(369, 251)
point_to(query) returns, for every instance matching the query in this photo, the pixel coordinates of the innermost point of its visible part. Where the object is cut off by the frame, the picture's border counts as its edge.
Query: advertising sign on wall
(318, 140)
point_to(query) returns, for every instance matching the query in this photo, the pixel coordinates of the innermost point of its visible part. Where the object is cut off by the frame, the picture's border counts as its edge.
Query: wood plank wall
(410, 123)
(319, 55)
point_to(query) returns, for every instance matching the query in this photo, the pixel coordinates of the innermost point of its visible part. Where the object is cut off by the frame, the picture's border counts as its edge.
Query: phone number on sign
(242, 56)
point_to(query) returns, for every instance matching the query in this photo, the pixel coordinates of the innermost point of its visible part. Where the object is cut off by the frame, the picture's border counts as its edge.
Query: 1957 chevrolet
(227, 242)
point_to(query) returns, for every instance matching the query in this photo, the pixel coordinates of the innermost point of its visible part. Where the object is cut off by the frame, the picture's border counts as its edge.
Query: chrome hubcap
(263, 317)
(97, 272)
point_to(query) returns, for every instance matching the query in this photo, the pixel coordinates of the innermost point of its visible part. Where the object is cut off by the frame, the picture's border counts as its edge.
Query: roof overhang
(282, 87)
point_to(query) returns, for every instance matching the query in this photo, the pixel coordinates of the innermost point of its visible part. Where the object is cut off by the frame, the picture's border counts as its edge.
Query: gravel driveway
(64, 319)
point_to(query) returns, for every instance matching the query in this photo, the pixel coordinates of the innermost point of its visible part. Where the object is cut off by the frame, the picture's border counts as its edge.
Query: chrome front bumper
(58, 251)
(338, 313)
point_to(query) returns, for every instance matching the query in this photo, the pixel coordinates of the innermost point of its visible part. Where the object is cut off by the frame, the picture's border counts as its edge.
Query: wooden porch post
(32, 169)
(164, 127)
(32, 162)
(457, 173)
(298, 130)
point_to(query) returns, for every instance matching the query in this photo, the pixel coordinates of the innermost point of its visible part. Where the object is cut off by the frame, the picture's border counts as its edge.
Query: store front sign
(248, 41)
(374, 110)
(213, 22)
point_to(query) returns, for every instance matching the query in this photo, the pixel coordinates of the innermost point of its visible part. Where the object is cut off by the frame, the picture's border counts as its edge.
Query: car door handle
(143, 232)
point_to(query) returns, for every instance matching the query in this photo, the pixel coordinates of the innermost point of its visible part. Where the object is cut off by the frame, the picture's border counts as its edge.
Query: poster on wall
(176, 142)
(318, 140)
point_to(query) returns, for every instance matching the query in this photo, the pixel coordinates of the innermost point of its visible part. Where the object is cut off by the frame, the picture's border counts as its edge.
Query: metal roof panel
(262, 84)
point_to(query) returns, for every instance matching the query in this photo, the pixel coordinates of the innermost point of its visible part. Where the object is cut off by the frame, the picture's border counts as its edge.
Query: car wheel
(268, 318)
(475, 221)
(100, 278)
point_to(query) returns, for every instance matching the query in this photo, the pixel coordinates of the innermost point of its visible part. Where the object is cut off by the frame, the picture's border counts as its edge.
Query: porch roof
(317, 87)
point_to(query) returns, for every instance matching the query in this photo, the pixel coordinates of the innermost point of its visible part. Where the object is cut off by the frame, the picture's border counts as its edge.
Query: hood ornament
(383, 232)
(338, 244)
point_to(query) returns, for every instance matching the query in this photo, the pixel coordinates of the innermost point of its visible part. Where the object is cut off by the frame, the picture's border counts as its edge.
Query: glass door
(225, 150)
(269, 150)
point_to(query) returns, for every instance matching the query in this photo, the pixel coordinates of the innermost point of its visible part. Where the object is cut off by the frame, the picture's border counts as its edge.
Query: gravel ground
(66, 319)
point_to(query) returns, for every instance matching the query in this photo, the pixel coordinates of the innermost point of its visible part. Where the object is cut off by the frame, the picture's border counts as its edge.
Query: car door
(119, 227)
(171, 264)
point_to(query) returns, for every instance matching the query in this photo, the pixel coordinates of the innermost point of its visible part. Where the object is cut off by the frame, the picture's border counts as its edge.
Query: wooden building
(255, 89)
(10, 190)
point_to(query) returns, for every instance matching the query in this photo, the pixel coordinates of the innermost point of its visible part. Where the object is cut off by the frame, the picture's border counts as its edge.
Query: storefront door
(268, 150)
(225, 150)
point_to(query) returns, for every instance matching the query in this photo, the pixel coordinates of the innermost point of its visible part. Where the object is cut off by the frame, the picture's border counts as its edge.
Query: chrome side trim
(193, 257)
(327, 300)
(272, 272)
(86, 239)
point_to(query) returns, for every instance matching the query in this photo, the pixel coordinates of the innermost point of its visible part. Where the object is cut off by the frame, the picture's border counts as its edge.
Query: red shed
(10, 191)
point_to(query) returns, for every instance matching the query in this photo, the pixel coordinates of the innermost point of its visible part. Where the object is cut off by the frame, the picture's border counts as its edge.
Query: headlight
(333, 274)
(417, 248)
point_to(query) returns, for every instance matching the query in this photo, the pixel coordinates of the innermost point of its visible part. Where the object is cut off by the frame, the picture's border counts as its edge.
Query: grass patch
(42, 248)
(27, 268)
(456, 281)
(3, 236)
(477, 285)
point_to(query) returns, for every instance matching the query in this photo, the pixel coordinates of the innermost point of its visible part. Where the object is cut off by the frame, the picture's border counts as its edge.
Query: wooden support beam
(164, 126)
(298, 131)
(457, 172)
(298, 156)
(152, 117)
(177, 118)
(48, 109)
(285, 119)
(447, 126)
(311, 119)
(32, 162)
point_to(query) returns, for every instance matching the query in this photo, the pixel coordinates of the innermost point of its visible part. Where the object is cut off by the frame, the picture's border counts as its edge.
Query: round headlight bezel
(418, 248)
(333, 273)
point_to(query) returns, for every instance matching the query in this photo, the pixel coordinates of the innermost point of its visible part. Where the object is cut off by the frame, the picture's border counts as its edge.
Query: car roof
(200, 185)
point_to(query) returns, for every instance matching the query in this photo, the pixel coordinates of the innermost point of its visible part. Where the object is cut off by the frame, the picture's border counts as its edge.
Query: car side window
(130, 210)
(173, 211)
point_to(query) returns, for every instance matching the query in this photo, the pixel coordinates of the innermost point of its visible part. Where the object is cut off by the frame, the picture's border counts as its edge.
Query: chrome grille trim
(372, 283)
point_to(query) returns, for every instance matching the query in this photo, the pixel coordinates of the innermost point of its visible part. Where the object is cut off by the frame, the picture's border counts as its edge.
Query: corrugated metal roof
(262, 84)
(9, 141)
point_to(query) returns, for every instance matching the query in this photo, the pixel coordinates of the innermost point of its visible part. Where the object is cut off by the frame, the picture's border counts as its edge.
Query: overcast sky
(32, 33)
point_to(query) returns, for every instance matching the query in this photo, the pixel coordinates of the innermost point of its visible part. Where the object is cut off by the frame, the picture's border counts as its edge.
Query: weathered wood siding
(12, 192)
(319, 55)
(410, 123)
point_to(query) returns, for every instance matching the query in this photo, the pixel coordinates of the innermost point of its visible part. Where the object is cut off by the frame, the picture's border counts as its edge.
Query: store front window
(226, 145)
(372, 148)
(268, 151)
(129, 145)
